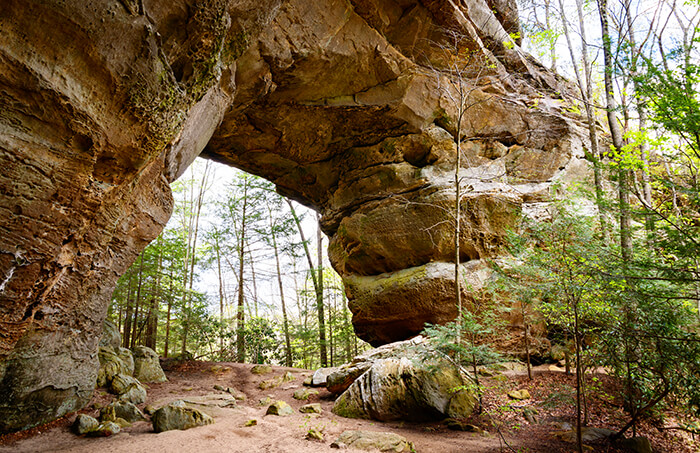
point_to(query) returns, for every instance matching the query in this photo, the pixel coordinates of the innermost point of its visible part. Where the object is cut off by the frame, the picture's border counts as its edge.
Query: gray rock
(313, 408)
(128, 389)
(111, 364)
(147, 366)
(128, 358)
(84, 424)
(304, 394)
(408, 382)
(178, 416)
(261, 369)
(121, 409)
(369, 440)
(111, 338)
(105, 430)
(320, 376)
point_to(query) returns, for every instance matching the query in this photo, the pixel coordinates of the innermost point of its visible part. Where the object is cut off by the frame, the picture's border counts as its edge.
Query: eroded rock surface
(105, 104)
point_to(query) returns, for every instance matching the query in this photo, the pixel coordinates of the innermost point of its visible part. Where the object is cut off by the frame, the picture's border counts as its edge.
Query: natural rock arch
(105, 103)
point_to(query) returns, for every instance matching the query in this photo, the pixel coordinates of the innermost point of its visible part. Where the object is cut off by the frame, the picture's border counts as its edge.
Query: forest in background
(236, 253)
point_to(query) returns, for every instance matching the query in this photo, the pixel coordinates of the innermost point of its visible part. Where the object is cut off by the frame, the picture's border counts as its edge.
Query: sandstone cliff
(104, 103)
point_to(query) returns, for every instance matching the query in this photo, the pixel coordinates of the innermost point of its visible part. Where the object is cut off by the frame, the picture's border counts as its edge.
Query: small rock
(177, 416)
(339, 445)
(236, 394)
(313, 408)
(121, 409)
(252, 422)
(216, 369)
(304, 394)
(519, 394)
(637, 444)
(84, 424)
(308, 381)
(261, 369)
(265, 401)
(271, 383)
(185, 389)
(149, 409)
(220, 388)
(105, 429)
(288, 377)
(314, 434)
(280, 408)
(368, 440)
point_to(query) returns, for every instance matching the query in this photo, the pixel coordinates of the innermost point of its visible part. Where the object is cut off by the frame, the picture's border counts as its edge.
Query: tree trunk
(240, 327)
(319, 298)
(167, 316)
(126, 335)
(285, 323)
(137, 305)
(616, 134)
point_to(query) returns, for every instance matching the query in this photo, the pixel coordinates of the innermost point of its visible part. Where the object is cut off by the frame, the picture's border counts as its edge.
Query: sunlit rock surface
(106, 103)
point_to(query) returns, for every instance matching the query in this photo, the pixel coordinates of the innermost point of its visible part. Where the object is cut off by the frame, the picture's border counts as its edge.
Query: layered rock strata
(105, 103)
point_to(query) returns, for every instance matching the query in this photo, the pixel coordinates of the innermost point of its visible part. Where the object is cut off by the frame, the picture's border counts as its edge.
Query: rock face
(328, 99)
(403, 381)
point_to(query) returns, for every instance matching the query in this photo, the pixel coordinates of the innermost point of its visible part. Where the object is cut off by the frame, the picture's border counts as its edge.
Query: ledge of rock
(103, 112)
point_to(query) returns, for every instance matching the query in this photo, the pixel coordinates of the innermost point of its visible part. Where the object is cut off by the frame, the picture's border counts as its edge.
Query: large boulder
(147, 366)
(178, 416)
(112, 364)
(121, 409)
(128, 389)
(111, 338)
(408, 381)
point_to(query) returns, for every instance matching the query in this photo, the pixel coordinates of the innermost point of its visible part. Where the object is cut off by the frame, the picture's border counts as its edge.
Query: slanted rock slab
(178, 416)
(519, 395)
(370, 440)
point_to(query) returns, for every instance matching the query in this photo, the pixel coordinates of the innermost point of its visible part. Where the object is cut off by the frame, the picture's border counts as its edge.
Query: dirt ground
(551, 391)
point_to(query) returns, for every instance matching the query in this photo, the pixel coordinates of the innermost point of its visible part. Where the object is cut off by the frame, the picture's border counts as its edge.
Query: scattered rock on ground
(83, 424)
(288, 377)
(313, 408)
(252, 422)
(128, 389)
(178, 416)
(121, 409)
(280, 408)
(369, 440)
(147, 366)
(261, 369)
(105, 429)
(314, 434)
(407, 381)
(519, 394)
(271, 383)
(304, 394)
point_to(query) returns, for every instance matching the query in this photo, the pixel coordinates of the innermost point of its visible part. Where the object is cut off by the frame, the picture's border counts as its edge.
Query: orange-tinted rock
(104, 104)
